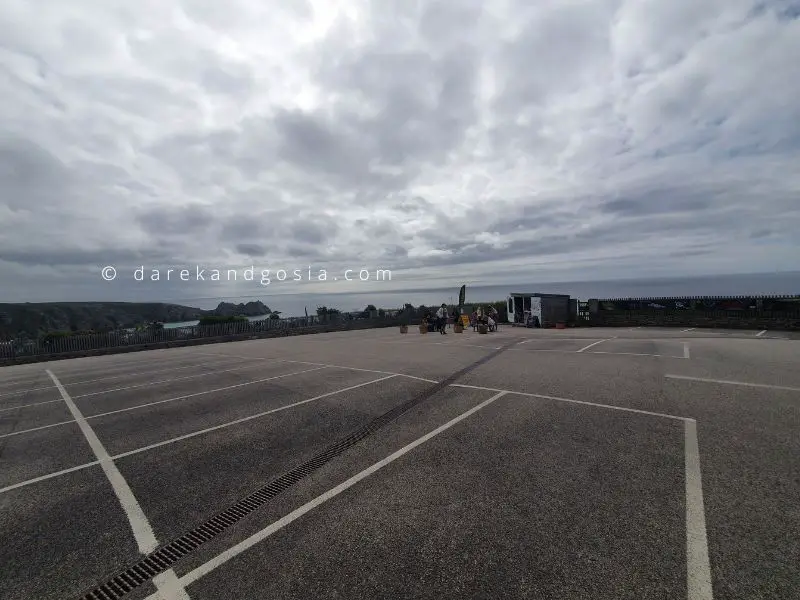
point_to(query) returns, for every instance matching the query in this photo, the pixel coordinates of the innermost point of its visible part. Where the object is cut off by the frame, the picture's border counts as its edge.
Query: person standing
(441, 317)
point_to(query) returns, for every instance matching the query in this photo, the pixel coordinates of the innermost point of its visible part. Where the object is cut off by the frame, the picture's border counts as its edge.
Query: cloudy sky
(449, 141)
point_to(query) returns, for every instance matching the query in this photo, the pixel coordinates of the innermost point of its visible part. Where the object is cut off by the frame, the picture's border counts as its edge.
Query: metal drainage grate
(163, 558)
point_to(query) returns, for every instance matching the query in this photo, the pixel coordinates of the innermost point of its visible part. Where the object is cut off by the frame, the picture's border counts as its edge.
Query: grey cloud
(256, 250)
(125, 93)
(314, 142)
(251, 235)
(303, 251)
(44, 256)
(564, 43)
(245, 227)
(420, 104)
(416, 204)
(185, 220)
(691, 252)
(30, 176)
(659, 202)
(238, 14)
(308, 232)
(439, 138)
(227, 79)
(531, 218)
(602, 237)
(382, 230)
(312, 232)
(396, 252)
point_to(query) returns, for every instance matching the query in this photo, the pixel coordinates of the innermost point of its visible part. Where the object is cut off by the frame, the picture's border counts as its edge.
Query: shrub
(215, 319)
(54, 335)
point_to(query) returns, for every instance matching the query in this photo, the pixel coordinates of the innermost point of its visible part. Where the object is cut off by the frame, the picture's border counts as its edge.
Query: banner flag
(462, 295)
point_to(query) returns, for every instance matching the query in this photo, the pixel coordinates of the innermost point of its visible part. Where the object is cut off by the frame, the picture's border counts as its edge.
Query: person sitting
(493, 314)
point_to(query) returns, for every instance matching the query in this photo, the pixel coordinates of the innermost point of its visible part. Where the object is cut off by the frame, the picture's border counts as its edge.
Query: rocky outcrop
(251, 309)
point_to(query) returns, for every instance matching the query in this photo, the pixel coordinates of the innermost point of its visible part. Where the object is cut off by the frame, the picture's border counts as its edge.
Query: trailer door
(519, 310)
(536, 311)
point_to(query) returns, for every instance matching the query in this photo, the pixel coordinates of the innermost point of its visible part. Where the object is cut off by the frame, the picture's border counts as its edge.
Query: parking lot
(635, 463)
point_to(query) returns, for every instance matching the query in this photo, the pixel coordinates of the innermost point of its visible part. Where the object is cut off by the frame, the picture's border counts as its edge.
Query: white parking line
(460, 344)
(760, 333)
(332, 366)
(558, 338)
(189, 435)
(49, 476)
(698, 570)
(142, 531)
(131, 387)
(595, 352)
(31, 404)
(728, 382)
(169, 587)
(457, 344)
(254, 539)
(249, 418)
(571, 401)
(27, 391)
(138, 406)
(690, 329)
(593, 344)
(149, 383)
(546, 350)
(637, 354)
(686, 350)
(52, 387)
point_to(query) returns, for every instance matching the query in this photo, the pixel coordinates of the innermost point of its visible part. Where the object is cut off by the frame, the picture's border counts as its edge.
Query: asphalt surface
(579, 483)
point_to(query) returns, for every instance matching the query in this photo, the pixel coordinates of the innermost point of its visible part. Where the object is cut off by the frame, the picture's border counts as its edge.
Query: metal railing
(75, 343)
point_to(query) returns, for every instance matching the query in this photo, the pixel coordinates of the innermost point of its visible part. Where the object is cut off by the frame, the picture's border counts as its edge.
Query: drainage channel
(163, 558)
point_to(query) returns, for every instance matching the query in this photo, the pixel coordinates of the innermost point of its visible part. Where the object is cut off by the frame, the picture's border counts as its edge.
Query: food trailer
(538, 310)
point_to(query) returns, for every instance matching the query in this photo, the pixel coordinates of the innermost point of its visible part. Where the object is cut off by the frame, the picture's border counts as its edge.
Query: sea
(177, 324)
(296, 305)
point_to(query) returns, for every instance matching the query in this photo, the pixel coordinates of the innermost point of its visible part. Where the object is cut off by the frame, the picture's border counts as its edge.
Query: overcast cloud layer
(449, 141)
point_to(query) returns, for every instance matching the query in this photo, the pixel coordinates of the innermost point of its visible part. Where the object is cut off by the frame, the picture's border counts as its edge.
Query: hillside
(32, 319)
